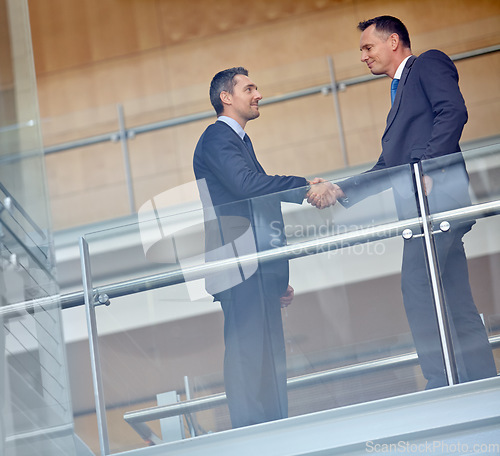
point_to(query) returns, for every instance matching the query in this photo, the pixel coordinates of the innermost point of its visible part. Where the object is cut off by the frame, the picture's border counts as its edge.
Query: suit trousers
(255, 357)
(473, 353)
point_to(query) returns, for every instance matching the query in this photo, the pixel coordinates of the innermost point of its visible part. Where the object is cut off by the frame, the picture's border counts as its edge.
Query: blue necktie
(394, 88)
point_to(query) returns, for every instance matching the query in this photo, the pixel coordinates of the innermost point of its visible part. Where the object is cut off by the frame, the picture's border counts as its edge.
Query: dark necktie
(248, 143)
(394, 88)
(246, 138)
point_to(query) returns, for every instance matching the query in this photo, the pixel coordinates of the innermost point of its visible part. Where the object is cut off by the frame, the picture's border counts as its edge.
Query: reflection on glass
(447, 189)
(415, 284)
(35, 408)
(202, 312)
(251, 298)
(344, 339)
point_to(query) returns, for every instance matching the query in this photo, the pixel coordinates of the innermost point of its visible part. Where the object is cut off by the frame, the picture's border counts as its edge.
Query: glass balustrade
(463, 196)
(166, 349)
(36, 414)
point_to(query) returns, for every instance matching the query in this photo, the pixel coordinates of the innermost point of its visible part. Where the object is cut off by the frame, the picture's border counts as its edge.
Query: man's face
(377, 52)
(244, 100)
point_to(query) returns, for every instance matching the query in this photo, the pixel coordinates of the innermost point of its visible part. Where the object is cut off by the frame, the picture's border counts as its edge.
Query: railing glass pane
(35, 404)
(345, 335)
(469, 273)
(90, 193)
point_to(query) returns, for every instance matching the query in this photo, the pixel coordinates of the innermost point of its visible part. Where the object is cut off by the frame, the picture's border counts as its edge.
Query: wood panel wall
(157, 57)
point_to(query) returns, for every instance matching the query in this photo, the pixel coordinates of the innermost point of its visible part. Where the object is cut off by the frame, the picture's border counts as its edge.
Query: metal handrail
(214, 400)
(42, 433)
(298, 250)
(323, 88)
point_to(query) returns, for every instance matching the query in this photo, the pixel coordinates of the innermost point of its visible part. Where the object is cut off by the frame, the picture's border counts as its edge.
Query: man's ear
(225, 97)
(394, 41)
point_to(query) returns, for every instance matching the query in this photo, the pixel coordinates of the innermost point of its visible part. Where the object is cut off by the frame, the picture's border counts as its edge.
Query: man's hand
(287, 298)
(323, 194)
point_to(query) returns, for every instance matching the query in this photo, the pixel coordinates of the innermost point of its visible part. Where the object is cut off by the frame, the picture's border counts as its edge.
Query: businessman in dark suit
(425, 122)
(242, 207)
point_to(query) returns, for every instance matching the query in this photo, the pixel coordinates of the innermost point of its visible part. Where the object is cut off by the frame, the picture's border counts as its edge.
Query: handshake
(323, 193)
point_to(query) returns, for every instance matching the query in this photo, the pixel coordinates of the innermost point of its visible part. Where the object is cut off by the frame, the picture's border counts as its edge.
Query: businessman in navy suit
(425, 122)
(242, 207)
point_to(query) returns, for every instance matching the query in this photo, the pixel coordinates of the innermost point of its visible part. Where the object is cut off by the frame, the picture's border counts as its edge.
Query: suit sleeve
(224, 157)
(363, 185)
(439, 81)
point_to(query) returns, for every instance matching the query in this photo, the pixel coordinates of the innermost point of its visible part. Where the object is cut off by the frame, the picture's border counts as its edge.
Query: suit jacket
(242, 207)
(425, 122)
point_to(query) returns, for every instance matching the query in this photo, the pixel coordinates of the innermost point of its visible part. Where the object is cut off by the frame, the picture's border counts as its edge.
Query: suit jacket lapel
(248, 154)
(395, 107)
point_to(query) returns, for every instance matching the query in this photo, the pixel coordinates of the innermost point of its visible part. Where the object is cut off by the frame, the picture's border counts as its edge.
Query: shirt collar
(233, 124)
(400, 69)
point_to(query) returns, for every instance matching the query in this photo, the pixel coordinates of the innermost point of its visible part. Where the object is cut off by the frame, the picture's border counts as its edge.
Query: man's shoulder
(432, 54)
(214, 136)
(215, 130)
(211, 131)
(433, 62)
(212, 128)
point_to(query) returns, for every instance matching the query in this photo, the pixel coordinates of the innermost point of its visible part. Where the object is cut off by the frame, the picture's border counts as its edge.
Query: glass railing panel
(21, 236)
(292, 77)
(307, 144)
(467, 254)
(364, 109)
(35, 406)
(61, 130)
(167, 106)
(344, 338)
(142, 335)
(90, 192)
(346, 331)
(163, 159)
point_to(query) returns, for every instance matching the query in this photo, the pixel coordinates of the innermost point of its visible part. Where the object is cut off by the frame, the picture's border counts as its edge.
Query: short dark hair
(388, 25)
(223, 81)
